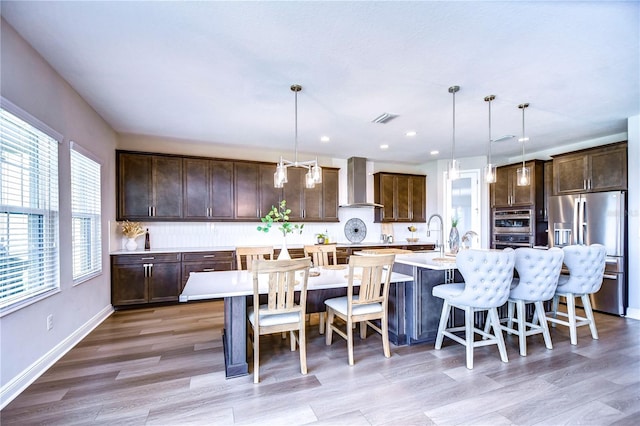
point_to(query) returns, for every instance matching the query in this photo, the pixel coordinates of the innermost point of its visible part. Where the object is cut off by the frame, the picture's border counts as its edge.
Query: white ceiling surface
(219, 72)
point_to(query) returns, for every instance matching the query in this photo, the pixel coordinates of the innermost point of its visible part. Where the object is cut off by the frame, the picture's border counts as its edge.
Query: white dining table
(235, 286)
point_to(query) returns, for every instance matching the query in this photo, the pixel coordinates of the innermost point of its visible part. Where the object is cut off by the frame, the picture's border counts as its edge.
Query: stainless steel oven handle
(610, 276)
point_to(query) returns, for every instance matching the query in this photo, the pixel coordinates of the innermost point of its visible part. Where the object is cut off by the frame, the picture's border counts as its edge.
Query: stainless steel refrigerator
(598, 217)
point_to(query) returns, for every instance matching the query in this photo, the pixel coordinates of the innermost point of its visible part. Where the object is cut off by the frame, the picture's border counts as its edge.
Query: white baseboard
(19, 383)
(633, 313)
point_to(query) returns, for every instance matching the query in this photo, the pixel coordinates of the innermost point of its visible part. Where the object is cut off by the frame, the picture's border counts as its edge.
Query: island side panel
(422, 309)
(234, 336)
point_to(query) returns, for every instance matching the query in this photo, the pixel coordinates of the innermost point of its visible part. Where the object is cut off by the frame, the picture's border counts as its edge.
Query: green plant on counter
(454, 221)
(280, 214)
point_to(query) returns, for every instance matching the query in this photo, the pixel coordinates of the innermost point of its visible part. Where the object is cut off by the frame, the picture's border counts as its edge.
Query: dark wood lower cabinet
(206, 262)
(145, 278)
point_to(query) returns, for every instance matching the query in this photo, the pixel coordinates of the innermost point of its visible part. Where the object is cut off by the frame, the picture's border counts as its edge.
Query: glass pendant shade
(489, 169)
(454, 170)
(280, 175)
(316, 170)
(309, 182)
(490, 173)
(522, 176)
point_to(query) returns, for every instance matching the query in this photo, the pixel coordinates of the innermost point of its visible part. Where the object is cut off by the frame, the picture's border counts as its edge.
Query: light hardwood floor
(165, 366)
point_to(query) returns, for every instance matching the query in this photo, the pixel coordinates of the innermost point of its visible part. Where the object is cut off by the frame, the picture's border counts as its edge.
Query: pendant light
(454, 167)
(314, 171)
(523, 176)
(489, 169)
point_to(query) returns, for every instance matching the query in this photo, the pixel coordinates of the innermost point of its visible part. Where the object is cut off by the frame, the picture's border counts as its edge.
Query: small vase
(284, 253)
(454, 240)
(131, 244)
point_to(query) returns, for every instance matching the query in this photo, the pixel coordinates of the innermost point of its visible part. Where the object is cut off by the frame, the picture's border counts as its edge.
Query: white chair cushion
(267, 320)
(339, 304)
(445, 291)
(538, 272)
(487, 275)
(586, 267)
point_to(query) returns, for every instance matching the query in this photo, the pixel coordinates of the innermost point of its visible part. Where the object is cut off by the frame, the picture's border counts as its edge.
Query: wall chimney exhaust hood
(357, 184)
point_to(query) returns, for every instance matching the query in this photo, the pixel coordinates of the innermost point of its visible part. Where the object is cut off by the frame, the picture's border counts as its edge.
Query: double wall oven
(513, 228)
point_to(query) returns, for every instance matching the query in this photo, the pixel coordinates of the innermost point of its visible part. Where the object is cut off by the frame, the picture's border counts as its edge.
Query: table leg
(234, 336)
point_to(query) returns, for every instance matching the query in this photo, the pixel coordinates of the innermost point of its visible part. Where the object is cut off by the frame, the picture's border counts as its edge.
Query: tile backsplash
(212, 234)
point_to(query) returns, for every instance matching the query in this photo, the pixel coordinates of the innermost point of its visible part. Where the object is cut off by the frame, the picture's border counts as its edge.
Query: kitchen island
(413, 312)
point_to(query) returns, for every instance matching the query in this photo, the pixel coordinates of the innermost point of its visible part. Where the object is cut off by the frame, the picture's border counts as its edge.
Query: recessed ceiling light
(434, 152)
(324, 139)
(523, 139)
(384, 146)
(410, 133)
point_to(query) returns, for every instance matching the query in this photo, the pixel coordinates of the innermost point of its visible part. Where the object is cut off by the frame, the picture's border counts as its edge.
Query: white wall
(26, 347)
(633, 176)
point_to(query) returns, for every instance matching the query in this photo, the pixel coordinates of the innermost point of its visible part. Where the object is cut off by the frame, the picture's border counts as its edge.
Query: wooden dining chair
(374, 274)
(281, 313)
(249, 254)
(321, 255)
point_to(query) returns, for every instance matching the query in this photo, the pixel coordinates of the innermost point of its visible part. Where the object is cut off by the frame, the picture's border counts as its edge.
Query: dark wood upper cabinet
(208, 189)
(592, 170)
(247, 190)
(169, 187)
(268, 195)
(330, 196)
(318, 204)
(505, 192)
(149, 187)
(402, 195)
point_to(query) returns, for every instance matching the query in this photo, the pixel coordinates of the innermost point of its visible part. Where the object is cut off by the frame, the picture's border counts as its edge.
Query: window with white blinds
(85, 215)
(29, 259)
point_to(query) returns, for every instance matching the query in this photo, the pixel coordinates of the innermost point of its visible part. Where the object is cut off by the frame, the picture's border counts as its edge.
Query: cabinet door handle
(147, 258)
(208, 270)
(209, 255)
(584, 184)
(150, 265)
(149, 211)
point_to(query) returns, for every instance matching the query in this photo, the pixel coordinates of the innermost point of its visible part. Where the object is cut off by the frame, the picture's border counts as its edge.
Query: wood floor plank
(164, 366)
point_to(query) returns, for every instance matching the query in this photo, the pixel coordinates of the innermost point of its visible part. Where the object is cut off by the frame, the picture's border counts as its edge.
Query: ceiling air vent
(385, 117)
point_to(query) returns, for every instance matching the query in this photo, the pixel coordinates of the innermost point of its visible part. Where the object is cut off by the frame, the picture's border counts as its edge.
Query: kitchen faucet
(440, 246)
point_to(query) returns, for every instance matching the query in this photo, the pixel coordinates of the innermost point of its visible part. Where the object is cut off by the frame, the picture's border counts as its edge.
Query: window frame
(52, 213)
(92, 220)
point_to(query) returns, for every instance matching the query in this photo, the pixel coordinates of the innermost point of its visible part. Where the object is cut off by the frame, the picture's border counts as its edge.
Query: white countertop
(428, 260)
(210, 285)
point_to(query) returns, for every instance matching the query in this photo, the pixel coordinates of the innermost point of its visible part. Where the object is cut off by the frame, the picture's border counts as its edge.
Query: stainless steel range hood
(357, 184)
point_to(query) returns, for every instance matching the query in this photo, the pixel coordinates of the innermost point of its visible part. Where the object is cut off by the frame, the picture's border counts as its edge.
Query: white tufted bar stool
(586, 269)
(487, 275)
(538, 273)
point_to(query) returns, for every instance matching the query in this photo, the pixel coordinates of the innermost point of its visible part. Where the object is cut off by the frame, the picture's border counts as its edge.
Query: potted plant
(280, 215)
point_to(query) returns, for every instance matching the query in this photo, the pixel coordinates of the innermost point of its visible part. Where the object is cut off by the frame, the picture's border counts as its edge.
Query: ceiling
(220, 72)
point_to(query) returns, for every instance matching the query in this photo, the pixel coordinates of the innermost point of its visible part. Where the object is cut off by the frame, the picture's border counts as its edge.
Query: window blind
(29, 259)
(85, 215)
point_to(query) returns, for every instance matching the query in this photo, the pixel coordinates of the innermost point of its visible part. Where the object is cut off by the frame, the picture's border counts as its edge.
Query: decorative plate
(355, 230)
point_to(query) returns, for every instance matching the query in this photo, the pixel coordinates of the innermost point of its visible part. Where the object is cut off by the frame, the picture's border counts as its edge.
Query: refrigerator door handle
(583, 223)
(576, 226)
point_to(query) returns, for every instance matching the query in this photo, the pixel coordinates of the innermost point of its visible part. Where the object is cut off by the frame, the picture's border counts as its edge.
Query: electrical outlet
(49, 321)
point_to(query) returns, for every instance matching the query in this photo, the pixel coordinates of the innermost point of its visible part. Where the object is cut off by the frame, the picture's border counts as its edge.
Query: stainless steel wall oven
(513, 228)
